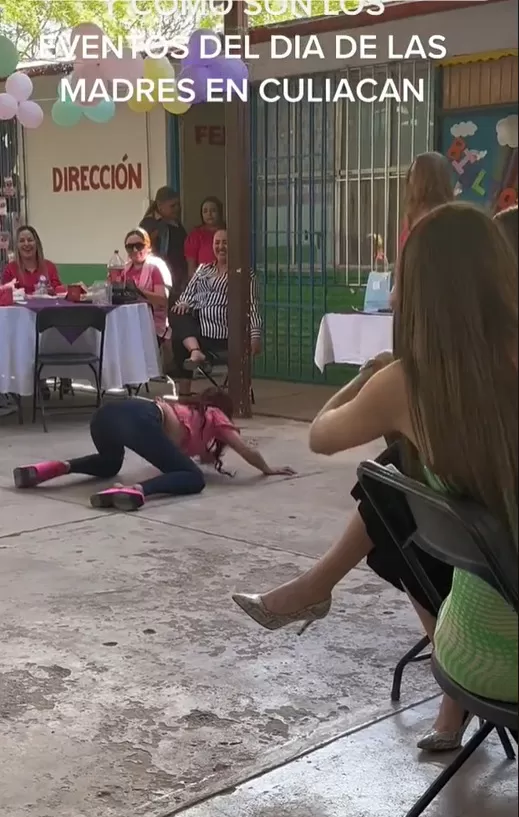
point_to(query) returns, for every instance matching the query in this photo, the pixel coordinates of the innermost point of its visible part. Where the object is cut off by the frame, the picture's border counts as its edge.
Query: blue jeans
(137, 424)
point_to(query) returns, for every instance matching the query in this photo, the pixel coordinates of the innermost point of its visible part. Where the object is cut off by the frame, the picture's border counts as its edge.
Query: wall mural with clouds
(482, 149)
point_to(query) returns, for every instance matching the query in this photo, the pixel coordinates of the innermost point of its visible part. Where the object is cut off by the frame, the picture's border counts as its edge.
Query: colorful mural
(482, 150)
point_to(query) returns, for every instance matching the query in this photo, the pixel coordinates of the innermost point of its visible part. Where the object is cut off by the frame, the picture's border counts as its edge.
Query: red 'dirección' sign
(84, 178)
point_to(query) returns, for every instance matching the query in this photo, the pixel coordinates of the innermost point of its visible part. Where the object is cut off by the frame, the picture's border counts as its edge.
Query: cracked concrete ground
(129, 682)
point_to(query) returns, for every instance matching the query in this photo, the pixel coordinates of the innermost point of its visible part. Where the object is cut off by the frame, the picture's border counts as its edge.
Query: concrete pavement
(129, 682)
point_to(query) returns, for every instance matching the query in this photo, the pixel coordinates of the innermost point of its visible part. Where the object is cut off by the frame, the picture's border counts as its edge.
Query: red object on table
(6, 296)
(74, 293)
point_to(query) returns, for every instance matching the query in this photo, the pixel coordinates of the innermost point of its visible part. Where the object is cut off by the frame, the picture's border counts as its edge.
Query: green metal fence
(327, 183)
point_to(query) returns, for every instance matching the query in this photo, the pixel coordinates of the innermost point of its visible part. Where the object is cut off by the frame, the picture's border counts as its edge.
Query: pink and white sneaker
(122, 499)
(29, 476)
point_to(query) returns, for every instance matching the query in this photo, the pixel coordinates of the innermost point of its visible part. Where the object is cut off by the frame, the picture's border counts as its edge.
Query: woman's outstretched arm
(251, 455)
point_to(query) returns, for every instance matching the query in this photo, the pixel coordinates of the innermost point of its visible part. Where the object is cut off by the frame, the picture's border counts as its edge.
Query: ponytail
(152, 209)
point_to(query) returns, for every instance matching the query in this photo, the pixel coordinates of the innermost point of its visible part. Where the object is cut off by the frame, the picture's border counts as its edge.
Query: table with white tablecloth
(131, 354)
(352, 338)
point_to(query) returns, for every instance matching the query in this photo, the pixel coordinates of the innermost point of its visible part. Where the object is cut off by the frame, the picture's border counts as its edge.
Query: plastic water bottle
(41, 288)
(115, 268)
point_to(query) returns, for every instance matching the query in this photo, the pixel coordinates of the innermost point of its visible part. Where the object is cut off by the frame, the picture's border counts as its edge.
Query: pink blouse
(200, 430)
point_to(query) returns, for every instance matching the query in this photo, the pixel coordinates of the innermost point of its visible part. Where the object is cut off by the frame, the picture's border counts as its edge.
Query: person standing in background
(198, 248)
(163, 223)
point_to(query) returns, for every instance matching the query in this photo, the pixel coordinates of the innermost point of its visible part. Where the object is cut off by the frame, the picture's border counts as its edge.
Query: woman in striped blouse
(198, 319)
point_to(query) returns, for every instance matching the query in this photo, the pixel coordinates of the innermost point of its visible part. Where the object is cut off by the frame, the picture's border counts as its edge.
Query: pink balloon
(30, 115)
(89, 71)
(78, 44)
(19, 85)
(129, 67)
(8, 106)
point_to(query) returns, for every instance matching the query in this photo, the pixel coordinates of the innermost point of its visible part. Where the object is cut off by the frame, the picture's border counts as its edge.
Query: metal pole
(237, 179)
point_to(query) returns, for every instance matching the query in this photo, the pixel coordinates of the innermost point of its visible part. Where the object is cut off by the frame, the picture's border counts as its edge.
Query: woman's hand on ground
(286, 471)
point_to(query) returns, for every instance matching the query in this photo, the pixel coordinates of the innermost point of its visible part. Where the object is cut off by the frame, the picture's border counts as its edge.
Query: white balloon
(30, 115)
(8, 106)
(19, 85)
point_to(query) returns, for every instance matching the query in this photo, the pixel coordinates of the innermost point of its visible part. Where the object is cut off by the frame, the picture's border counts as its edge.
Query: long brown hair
(40, 257)
(456, 324)
(162, 195)
(428, 185)
(213, 398)
(508, 220)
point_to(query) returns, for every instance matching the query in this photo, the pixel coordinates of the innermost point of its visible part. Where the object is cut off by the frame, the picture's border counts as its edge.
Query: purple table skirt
(70, 333)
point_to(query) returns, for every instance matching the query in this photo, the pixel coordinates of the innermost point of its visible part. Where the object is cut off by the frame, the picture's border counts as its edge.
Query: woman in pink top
(198, 248)
(167, 435)
(150, 276)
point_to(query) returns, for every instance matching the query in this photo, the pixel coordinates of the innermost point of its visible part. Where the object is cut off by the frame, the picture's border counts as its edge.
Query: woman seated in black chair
(198, 319)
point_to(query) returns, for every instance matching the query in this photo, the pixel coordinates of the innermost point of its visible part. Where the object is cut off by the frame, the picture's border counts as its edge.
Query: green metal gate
(327, 185)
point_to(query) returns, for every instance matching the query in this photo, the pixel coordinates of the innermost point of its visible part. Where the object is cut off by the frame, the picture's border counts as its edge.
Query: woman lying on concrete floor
(167, 435)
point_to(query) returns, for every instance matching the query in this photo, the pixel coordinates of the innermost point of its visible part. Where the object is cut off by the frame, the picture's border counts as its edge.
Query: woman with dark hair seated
(198, 319)
(308, 597)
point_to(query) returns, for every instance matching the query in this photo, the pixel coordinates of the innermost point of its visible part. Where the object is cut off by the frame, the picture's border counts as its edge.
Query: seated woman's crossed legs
(308, 597)
(191, 349)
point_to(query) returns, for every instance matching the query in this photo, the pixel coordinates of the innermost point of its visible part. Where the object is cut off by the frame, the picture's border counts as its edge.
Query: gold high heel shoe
(254, 606)
(436, 741)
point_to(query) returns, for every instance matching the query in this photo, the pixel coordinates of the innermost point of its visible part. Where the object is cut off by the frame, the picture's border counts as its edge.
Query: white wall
(85, 227)
(473, 30)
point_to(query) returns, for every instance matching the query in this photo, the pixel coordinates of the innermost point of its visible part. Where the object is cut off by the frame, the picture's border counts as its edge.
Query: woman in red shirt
(30, 264)
(198, 248)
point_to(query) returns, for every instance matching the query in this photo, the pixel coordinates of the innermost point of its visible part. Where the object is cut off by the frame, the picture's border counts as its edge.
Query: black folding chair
(465, 536)
(219, 362)
(75, 320)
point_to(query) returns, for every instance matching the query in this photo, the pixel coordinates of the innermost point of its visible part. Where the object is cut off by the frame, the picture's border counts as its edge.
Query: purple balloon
(194, 44)
(198, 76)
(235, 70)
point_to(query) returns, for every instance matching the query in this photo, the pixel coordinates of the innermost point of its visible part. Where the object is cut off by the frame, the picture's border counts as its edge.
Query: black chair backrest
(458, 532)
(77, 317)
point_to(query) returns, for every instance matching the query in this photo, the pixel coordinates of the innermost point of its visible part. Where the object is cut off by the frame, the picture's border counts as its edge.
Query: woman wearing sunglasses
(150, 276)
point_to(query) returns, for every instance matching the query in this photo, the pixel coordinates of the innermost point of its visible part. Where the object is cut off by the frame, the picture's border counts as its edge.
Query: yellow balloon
(140, 106)
(177, 108)
(158, 69)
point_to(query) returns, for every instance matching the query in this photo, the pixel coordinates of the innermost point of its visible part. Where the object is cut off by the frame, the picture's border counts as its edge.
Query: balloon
(198, 76)
(129, 67)
(66, 114)
(92, 47)
(158, 69)
(8, 106)
(235, 70)
(89, 71)
(64, 95)
(20, 86)
(8, 57)
(195, 47)
(102, 112)
(177, 108)
(141, 106)
(30, 115)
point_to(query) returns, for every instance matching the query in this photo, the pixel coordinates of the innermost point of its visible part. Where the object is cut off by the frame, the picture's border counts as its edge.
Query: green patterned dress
(475, 640)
